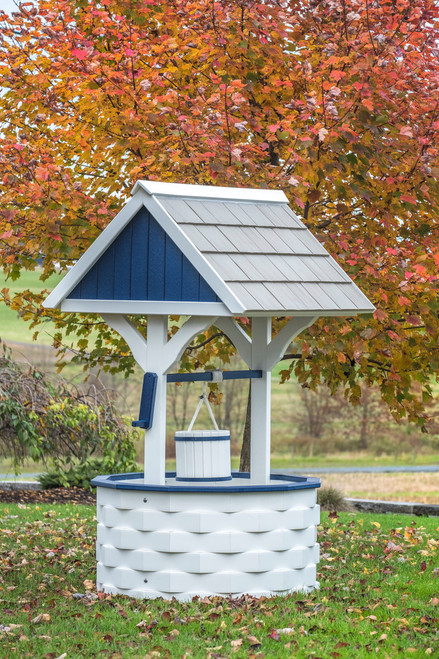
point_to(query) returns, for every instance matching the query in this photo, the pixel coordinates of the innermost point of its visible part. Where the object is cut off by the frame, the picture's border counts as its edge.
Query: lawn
(12, 327)
(379, 593)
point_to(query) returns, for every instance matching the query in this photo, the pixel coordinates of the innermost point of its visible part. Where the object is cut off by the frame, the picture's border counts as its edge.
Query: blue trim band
(226, 438)
(204, 480)
(288, 482)
(207, 376)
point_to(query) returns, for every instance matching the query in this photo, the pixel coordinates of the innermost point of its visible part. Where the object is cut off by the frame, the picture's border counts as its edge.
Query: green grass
(12, 327)
(379, 595)
(278, 461)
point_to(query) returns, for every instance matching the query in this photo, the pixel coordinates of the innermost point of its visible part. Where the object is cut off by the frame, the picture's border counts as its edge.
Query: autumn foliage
(336, 102)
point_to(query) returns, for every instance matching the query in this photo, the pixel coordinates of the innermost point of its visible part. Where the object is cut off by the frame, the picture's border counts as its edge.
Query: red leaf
(379, 314)
(41, 174)
(79, 54)
(408, 199)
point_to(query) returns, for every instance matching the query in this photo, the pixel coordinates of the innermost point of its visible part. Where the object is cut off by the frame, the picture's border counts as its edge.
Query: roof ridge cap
(160, 188)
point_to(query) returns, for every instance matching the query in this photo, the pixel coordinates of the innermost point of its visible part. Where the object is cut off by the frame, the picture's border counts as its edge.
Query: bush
(57, 425)
(332, 500)
(79, 475)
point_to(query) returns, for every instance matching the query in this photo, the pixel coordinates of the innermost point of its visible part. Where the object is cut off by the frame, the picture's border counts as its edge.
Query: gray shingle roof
(267, 256)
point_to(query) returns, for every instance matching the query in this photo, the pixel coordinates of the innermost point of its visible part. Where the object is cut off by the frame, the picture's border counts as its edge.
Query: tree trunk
(364, 420)
(244, 464)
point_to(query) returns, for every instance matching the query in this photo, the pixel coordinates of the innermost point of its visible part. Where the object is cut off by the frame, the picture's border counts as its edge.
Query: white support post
(157, 355)
(155, 437)
(260, 403)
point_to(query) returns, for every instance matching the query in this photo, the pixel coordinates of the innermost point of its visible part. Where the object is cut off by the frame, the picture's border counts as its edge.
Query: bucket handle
(203, 399)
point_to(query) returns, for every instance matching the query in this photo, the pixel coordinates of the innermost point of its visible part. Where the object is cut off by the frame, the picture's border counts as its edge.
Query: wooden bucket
(203, 455)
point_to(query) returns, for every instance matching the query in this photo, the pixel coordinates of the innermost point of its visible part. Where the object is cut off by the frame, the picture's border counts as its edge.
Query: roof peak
(212, 192)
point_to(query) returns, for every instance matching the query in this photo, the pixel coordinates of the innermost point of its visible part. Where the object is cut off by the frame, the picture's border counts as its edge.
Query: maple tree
(334, 101)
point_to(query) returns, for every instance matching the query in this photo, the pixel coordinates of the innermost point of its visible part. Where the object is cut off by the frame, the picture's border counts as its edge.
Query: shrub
(56, 424)
(332, 500)
(78, 475)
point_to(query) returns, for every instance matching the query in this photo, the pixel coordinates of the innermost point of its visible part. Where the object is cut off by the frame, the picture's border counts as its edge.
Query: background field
(306, 433)
(12, 328)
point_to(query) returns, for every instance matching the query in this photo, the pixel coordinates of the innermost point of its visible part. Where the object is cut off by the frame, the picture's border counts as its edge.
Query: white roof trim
(318, 313)
(146, 307)
(210, 192)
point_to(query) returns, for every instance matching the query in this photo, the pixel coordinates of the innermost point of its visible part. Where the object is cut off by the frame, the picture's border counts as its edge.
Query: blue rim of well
(203, 480)
(224, 438)
(289, 482)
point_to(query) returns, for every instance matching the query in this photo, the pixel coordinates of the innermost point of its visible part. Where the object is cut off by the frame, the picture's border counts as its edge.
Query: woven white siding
(184, 544)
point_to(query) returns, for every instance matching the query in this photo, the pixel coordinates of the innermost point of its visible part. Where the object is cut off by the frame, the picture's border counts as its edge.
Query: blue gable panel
(143, 263)
(156, 262)
(173, 265)
(105, 285)
(122, 246)
(190, 285)
(138, 258)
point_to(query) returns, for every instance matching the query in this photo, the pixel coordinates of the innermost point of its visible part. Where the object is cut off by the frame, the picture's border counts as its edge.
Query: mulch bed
(75, 495)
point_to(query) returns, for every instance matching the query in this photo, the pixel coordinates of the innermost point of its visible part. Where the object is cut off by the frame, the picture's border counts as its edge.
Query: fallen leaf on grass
(41, 617)
(236, 644)
(253, 640)
(89, 584)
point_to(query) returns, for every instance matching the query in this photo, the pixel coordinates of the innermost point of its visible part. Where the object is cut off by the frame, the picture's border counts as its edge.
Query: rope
(203, 399)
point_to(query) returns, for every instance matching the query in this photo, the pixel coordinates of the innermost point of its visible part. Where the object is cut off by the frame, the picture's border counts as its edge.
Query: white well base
(186, 543)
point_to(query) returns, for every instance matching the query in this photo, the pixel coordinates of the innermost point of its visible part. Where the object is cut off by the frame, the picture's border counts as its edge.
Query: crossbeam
(213, 376)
